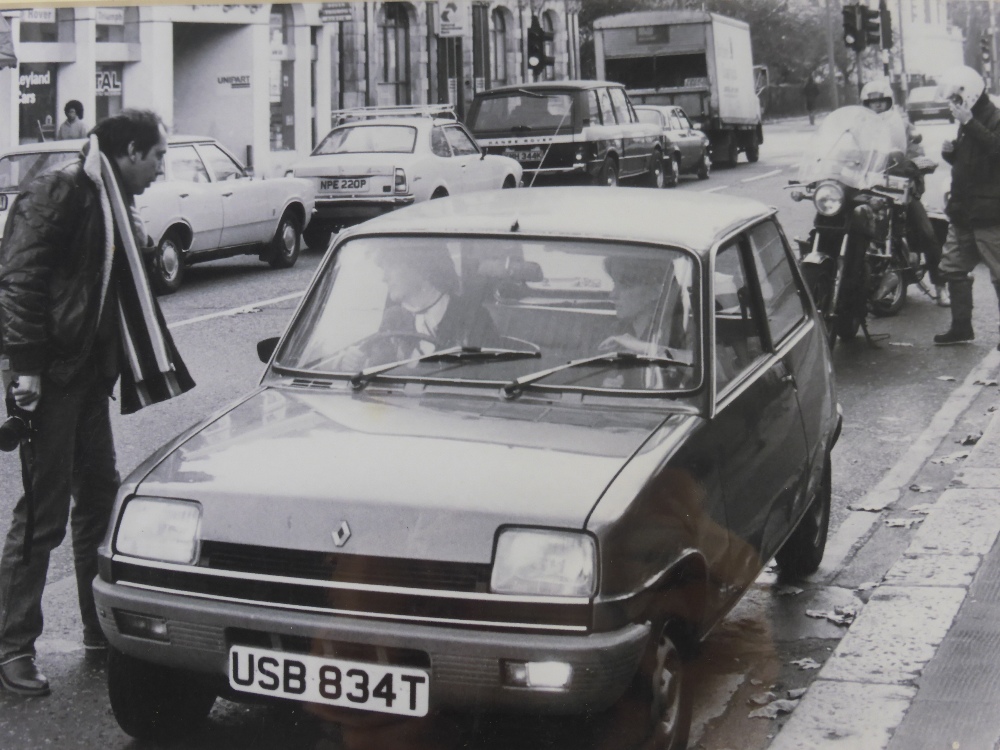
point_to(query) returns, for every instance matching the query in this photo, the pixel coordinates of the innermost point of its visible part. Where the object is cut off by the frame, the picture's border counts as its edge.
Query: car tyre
(706, 165)
(802, 553)
(317, 236)
(753, 151)
(732, 151)
(286, 243)
(609, 173)
(166, 267)
(674, 176)
(153, 702)
(510, 183)
(656, 176)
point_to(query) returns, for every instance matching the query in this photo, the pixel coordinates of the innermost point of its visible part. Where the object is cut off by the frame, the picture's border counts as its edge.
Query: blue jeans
(74, 458)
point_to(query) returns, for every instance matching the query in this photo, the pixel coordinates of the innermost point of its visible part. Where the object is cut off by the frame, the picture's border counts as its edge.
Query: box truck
(693, 59)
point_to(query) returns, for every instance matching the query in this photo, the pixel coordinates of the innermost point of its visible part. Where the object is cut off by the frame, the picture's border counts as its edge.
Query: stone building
(264, 79)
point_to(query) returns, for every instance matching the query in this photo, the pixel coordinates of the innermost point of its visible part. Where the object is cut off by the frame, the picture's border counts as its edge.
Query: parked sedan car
(922, 104)
(512, 453)
(208, 205)
(205, 206)
(686, 150)
(365, 168)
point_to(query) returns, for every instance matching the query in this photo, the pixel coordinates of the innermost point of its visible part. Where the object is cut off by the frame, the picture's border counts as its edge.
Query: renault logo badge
(342, 534)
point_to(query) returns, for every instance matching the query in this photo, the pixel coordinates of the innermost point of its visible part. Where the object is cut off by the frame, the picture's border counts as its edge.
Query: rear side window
(185, 164)
(607, 111)
(649, 116)
(782, 300)
(461, 143)
(620, 102)
(593, 108)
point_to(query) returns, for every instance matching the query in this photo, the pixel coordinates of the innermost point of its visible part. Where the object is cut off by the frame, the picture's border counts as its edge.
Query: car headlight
(544, 563)
(829, 198)
(156, 528)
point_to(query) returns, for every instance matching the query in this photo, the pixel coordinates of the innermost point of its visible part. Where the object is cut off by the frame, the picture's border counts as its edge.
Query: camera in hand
(17, 426)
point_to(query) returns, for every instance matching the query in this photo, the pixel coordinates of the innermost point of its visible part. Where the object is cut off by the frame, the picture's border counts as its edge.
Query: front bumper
(464, 664)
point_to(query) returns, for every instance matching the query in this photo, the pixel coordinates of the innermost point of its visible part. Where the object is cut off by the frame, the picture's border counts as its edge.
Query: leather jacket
(975, 174)
(52, 266)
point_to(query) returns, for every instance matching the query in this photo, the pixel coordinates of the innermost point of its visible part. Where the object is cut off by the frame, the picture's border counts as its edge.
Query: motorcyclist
(877, 96)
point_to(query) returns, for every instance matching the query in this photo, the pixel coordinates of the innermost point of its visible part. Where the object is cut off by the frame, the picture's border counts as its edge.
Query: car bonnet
(430, 477)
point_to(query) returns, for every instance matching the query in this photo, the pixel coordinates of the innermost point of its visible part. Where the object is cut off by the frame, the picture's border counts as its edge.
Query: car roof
(75, 144)
(548, 86)
(691, 220)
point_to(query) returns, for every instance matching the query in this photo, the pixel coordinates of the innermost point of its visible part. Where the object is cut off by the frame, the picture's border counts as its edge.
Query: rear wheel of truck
(753, 150)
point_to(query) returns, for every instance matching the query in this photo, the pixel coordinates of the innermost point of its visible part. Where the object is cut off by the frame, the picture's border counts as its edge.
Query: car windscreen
(923, 94)
(523, 111)
(369, 139)
(17, 170)
(390, 299)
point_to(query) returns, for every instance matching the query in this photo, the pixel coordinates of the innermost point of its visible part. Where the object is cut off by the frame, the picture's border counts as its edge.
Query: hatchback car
(510, 454)
(922, 104)
(367, 167)
(686, 150)
(206, 205)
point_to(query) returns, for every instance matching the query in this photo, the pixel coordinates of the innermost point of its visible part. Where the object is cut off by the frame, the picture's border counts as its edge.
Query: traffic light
(853, 33)
(885, 23)
(871, 26)
(537, 39)
(986, 46)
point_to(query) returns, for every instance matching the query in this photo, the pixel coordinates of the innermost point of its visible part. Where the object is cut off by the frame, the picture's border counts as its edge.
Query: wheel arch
(298, 211)
(183, 229)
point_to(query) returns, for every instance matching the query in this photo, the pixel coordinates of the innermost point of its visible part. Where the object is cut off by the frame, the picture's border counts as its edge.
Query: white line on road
(772, 173)
(715, 189)
(236, 310)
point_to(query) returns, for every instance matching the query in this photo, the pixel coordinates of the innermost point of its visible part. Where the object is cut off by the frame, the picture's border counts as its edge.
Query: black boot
(961, 312)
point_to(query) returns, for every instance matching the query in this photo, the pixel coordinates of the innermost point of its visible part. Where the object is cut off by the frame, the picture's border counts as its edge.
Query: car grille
(323, 566)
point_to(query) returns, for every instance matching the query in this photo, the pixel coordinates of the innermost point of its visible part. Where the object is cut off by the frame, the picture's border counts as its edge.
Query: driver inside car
(425, 310)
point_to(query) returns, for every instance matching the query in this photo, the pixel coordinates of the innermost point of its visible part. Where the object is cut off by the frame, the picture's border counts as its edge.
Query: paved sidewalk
(920, 666)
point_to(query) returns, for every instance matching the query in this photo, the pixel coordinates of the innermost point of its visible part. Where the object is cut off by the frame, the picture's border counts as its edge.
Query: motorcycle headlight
(544, 563)
(829, 198)
(156, 528)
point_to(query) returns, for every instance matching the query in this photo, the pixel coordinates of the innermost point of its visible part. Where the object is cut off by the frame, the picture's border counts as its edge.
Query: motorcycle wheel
(847, 326)
(890, 296)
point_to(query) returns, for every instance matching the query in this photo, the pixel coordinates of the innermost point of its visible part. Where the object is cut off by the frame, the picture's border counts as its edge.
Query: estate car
(510, 454)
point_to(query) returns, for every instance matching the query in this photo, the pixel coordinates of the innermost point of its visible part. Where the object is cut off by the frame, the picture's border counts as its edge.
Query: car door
(757, 426)
(184, 194)
(688, 144)
(634, 149)
(247, 216)
(444, 167)
(475, 173)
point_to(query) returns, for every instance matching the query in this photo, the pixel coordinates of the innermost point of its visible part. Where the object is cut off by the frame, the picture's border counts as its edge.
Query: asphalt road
(889, 394)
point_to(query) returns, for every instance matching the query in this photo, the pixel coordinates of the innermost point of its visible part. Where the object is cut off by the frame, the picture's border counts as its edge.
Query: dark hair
(634, 271)
(140, 126)
(75, 105)
(429, 259)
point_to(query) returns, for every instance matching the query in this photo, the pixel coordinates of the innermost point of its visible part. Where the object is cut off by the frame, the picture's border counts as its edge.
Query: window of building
(282, 80)
(548, 24)
(498, 67)
(42, 24)
(394, 27)
(108, 90)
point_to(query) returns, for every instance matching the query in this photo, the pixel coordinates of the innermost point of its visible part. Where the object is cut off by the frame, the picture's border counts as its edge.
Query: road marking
(235, 310)
(772, 173)
(715, 189)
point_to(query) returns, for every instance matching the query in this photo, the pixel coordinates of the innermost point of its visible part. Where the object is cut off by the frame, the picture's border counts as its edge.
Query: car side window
(782, 300)
(675, 124)
(649, 116)
(607, 111)
(593, 108)
(222, 165)
(685, 123)
(620, 102)
(439, 143)
(738, 340)
(461, 143)
(185, 165)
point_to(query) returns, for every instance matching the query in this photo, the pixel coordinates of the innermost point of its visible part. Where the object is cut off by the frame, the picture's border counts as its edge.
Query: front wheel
(705, 168)
(166, 269)
(674, 171)
(286, 243)
(802, 553)
(153, 702)
(609, 173)
(655, 177)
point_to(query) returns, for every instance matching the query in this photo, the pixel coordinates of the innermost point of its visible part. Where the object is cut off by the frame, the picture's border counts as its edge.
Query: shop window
(37, 97)
(282, 81)
(394, 27)
(108, 98)
(498, 72)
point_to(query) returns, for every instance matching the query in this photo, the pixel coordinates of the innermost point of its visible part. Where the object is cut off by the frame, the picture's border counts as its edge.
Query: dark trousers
(74, 458)
(923, 238)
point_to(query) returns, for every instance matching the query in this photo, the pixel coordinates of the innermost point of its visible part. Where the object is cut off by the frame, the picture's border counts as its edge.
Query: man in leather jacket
(974, 203)
(59, 323)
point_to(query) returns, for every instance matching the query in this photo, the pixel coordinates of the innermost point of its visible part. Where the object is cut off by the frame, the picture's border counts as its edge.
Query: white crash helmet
(960, 81)
(875, 91)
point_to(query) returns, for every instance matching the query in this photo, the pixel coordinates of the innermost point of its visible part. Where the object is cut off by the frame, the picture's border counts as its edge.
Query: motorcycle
(857, 259)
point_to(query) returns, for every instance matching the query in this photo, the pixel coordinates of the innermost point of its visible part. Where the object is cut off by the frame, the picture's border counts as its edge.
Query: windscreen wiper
(514, 387)
(454, 353)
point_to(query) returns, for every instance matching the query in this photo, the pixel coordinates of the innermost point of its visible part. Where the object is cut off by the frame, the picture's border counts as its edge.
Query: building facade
(264, 79)
(927, 42)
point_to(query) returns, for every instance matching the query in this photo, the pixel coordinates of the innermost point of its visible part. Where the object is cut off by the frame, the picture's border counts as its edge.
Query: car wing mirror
(265, 349)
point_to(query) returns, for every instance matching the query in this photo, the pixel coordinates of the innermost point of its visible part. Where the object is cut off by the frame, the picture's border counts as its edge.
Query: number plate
(533, 154)
(343, 185)
(336, 682)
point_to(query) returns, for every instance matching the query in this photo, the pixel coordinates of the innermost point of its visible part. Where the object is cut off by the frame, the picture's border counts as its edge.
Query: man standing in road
(75, 313)
(974, 203)
(811, 93)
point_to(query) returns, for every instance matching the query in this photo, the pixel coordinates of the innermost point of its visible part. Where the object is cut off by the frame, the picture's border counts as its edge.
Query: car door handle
(184, 195)
(226, 195)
